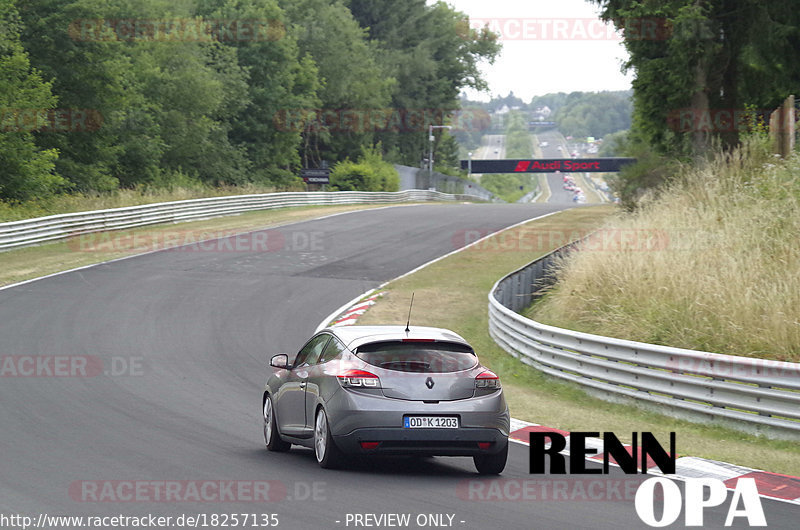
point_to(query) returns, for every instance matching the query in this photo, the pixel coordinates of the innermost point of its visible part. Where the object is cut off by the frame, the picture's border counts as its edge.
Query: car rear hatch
(422, 370)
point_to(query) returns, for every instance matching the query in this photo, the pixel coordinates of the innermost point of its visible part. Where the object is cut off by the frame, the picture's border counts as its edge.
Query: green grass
(452, 293)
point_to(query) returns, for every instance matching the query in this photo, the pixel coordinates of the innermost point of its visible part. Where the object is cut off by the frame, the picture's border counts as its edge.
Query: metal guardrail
(528, 197)
(27, 232)
(755, 395)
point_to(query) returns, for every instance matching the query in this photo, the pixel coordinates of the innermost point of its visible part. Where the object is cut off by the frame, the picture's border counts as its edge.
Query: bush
(644, 177)
(370, 173)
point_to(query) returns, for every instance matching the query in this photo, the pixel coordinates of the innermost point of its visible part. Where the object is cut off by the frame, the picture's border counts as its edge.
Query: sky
(548, 46)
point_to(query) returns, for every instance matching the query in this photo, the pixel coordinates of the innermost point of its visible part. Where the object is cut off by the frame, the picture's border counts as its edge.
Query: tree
(510, 101)
(225, 91)
(594, 113)
(352, 82)
(190, 102)
(26, 171)
(614, 144)
(280, 78)
(702, 57)
(433, 54)
(86, 74)
(196, 90)
(696, 63)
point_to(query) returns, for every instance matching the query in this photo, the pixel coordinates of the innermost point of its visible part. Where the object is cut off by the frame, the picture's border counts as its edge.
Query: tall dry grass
(712, 263)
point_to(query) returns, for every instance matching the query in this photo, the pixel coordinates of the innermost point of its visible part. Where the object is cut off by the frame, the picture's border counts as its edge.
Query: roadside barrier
(755, 395)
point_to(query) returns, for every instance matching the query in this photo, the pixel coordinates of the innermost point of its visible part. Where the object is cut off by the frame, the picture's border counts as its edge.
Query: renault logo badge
(429, 383)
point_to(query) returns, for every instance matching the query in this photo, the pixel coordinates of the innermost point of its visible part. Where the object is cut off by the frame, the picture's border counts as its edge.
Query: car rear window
(420, 357)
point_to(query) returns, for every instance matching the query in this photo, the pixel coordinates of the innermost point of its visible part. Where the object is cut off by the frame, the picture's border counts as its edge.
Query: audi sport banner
(548, 165)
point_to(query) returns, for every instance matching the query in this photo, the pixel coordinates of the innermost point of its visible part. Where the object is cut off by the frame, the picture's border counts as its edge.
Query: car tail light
(358, 379)
(487, 379)
(369, 445)
(483, 446)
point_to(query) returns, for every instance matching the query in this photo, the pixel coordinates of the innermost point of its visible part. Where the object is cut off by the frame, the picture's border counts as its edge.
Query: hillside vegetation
(712, 264)
(100, 96)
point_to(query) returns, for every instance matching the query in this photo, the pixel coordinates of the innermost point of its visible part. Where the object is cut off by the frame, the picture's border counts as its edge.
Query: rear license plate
(430, 422)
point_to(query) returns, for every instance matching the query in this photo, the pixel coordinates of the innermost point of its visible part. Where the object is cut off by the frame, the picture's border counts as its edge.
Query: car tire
(491, 464)
(272, 436)
(328, 455)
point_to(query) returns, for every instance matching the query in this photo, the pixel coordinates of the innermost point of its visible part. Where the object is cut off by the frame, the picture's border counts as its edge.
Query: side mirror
(279, 361)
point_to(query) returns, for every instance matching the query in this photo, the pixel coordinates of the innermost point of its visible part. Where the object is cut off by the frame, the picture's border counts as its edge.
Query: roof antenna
(408, 323)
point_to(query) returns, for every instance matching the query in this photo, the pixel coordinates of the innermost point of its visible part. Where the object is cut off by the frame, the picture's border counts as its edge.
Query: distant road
(493, 147)
(558, 195)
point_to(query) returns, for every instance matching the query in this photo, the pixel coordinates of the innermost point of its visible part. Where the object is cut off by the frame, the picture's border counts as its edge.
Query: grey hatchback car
(386, 390)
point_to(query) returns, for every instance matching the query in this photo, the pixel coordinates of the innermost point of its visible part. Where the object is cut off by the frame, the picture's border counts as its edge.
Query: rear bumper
(357, 417)
(434, 442)
(349, 412)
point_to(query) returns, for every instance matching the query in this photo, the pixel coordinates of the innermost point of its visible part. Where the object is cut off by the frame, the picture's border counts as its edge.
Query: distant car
(382, 390)
(496, 151)
(543, 144)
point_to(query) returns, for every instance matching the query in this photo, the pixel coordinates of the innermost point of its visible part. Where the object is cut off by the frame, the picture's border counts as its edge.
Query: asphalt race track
(183, 338)
(558, 195)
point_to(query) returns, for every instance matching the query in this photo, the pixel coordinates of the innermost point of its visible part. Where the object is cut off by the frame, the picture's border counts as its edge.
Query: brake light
(369, 445)
(487, 379)
(358, 379)
(417, 340)
(483, 446)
